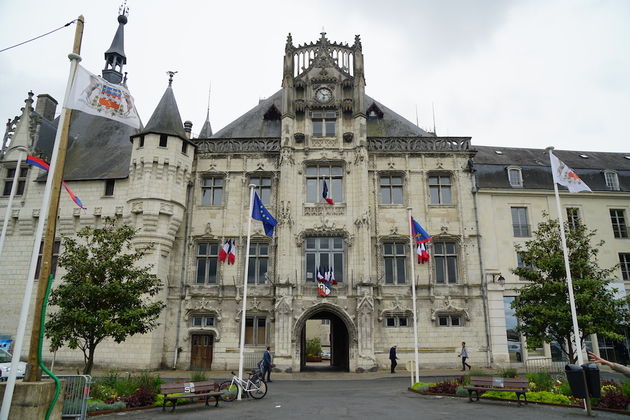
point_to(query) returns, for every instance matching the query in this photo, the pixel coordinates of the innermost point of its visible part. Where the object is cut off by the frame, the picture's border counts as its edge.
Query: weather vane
(170, 76)
(123, 10)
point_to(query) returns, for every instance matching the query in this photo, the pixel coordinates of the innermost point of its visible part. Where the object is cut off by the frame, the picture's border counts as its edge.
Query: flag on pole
(94, 95)
(325, 194)
(260, 212)
(565, 176)
(228, 252)
(423, 254)
(32, 160)
(419, 234)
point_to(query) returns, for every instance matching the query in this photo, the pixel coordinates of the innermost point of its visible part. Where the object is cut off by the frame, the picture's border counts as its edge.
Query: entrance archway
(340, 337)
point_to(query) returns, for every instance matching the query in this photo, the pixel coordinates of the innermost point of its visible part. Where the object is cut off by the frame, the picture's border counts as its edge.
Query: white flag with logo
(97, 96)
(564, 175)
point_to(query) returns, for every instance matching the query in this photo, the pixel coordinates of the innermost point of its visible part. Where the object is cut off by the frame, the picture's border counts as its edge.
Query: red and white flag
(565, 176)
(326, 194)
(423, 254)
(228, 252)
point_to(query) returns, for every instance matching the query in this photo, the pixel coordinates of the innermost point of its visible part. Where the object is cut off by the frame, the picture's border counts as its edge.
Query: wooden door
(201, 351)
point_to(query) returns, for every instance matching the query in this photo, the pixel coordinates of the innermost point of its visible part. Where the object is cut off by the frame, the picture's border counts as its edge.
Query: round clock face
(323, 95)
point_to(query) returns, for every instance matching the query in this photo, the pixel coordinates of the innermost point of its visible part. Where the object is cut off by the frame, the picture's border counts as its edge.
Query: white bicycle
(255, 386)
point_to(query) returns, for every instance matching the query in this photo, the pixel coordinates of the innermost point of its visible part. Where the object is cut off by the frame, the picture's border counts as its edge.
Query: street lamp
(500, 279)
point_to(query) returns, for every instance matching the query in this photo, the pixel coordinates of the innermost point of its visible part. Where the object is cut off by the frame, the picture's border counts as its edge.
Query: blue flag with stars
(260, 212)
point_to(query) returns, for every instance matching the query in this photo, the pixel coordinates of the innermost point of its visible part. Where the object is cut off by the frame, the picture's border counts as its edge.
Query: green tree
(542, 306)
(104, 293)
(313, 347)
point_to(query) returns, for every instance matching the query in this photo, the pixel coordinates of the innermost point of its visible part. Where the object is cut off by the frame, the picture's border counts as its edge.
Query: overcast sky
(529, 73)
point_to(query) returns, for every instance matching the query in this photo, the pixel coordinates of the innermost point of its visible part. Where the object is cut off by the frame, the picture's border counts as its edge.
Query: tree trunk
(87, 370)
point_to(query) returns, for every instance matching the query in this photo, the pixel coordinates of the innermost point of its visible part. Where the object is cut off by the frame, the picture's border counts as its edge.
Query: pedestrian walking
(464, 355)
(267, 364)
(392, 358)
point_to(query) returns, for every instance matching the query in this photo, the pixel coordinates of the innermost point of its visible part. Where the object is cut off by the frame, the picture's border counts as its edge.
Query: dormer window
(515, 177)
(324, 123)
(612, 181)
(374, 112)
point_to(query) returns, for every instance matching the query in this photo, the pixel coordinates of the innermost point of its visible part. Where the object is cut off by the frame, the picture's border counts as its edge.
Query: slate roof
(118, 43)
(252, 123)
(206, 129)
(166, 118)
(491, 167)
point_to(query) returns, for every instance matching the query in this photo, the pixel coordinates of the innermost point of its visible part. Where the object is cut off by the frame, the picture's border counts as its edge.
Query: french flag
(326, 195)
(423, 254)
(228, 252)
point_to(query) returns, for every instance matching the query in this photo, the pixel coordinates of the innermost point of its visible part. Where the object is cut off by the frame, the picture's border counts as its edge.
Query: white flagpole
(243, 317)
(413, 294)
(19, 336)
(576, 330)
(14, 186)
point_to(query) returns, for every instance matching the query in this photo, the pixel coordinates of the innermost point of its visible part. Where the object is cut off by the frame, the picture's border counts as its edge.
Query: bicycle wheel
(229, 391)
(258, 389)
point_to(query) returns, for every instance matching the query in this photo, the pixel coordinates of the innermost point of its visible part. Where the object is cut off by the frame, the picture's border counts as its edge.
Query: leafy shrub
(625, 387)
(565, 389)
(102, 391)
(313, 347)
(150, 382)
(509, 373)
(422, 386)
(614, 399)
(95, 405)
(542, 381)
(461, 392)
(444, 388)
(466, 379)
(141, 397)
(159, 399)
(110, 379)
(548, 397)
(198, 376)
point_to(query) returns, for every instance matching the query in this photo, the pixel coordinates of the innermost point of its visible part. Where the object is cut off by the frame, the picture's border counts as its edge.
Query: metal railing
(76, 393)
(250, 360)
(545, 364)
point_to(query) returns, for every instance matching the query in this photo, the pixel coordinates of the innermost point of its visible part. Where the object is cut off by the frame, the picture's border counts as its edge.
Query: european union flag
(260, 212)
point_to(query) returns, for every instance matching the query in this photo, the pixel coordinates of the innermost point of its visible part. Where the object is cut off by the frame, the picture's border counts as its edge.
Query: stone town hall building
(188, 194)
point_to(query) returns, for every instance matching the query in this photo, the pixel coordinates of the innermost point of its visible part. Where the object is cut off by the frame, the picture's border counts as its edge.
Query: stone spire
(206, 130)
(115, 56)
(166, 118)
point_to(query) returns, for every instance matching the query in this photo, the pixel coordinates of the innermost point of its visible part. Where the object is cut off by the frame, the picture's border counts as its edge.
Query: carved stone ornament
(208, 229)
(205, 148)
(448, 308)
(363, 219)
(136, 207)
(348, 137)
(284, 216)
(360, 155)
(346, 105)
(365, 304)
(299, 137)
(283, 306)
(396, 307)
(286, 157)
(300, 105)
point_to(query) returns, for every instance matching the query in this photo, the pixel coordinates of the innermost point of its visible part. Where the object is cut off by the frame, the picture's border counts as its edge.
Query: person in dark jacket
(266, 365)
(393, 357)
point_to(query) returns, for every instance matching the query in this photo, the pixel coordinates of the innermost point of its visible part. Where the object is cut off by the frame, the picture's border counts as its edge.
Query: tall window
(624, 264)
(211, 191)
(394, 256)
(263, 188)
(255, 330)
(207, 263)
(440, 189)
(391, 189)
(515, 177)
(618, 219)
(315, 177)
(515, 349)
(55, 257)
(519, 221)
(612, 181)
(8, 181)
(258, 263)
(324, 123)
(573, 217)
(324, 252)
(109, 187)
(163, 140)
(445, 258)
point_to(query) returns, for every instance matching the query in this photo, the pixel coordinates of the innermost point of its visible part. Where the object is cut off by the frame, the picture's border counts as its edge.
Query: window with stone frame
(8, 180)
(521, 263)
(520, 224)
(612, 180)
(445, 261)
(624, 265)
(258, 263)
(324, 252)
(163, 140)
(109, 187)
(263, 187)
(618, 219)
(55, 257)
(573, 217)
(256, 331)
(324, 123)
(397, 321)
(515, 177)
(440, 189)
(395, 261)
(315, 177)
(202, 320)
(212, 191)
(449, 320)
(391, 188)
(207, 262)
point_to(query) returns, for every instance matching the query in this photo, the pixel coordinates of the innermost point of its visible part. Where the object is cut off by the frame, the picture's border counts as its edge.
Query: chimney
(188, 128)
(46, 106)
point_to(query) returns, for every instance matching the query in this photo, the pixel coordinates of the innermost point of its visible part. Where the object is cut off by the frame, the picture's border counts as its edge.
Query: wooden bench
(199, 390)
(481, 384)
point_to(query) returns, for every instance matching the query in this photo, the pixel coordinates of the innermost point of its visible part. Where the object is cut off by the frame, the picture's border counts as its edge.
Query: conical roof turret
(166, 118)
(115, 56)
(206, 130)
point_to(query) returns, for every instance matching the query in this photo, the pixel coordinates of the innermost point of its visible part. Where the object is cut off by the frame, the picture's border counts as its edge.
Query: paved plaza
(369, 398)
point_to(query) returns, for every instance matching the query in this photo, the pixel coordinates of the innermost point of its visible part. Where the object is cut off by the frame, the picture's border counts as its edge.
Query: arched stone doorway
(342, 336)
